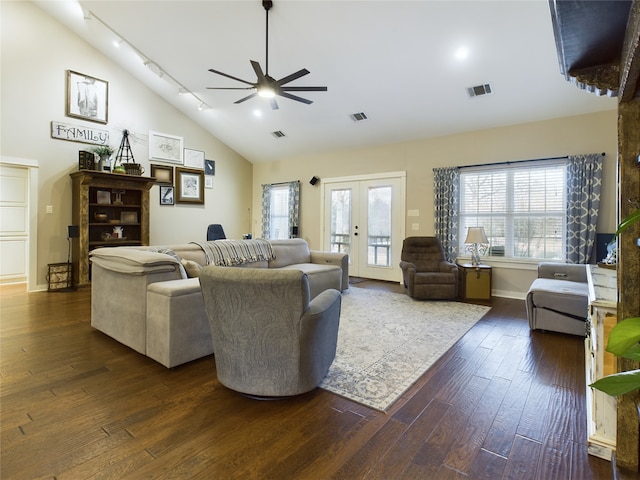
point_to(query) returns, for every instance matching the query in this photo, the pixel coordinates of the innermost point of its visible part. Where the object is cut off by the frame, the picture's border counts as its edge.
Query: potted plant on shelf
(103, 152)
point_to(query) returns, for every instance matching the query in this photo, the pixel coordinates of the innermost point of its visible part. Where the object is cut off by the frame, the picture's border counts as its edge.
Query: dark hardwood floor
(503, 403)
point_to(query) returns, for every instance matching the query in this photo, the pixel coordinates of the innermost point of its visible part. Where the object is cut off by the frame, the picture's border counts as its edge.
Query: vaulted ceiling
(407, 65)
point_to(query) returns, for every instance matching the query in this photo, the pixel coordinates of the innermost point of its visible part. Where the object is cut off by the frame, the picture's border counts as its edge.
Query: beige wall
(553, 138)
(36, 53)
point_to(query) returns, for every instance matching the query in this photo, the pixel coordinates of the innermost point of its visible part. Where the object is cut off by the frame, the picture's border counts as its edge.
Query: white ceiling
(393, 60)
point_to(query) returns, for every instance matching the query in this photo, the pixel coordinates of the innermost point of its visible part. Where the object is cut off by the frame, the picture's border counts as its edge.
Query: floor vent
(479, 90)
(358, 117)
(278, 134)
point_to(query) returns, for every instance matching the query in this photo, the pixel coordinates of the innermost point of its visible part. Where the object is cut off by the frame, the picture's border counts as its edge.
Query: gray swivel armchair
(269, 339)
(427, 274)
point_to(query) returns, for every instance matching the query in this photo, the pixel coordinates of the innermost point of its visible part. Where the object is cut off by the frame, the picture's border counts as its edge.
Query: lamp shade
(476, 235)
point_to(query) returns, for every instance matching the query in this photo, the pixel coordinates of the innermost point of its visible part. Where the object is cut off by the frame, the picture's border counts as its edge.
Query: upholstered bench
(558, 299)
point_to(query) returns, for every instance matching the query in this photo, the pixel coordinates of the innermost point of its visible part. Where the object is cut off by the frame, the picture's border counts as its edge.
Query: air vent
(278, 134)
(358, 117)
(479, 90)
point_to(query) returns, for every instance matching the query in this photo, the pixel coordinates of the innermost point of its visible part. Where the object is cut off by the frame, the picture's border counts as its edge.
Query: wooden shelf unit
(132, 214)
(601, 408)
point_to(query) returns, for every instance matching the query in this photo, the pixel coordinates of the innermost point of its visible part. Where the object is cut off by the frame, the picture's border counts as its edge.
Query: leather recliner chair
(427, 274)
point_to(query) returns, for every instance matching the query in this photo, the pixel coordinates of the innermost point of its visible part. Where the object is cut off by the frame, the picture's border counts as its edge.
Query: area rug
(386, 341)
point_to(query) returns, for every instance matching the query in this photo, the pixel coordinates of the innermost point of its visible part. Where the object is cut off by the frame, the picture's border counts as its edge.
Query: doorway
(364, 217)
(18, 223)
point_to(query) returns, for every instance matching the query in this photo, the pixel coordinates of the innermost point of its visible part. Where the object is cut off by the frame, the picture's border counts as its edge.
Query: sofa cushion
(321, 277)
(424, 278)
(193, 268)
(289, 252)
(560, 296)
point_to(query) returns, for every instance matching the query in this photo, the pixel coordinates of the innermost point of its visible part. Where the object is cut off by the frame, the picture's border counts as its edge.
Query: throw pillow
(193, 268)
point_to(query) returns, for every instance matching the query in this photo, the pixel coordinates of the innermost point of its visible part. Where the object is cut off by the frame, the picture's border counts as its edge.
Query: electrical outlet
(415, 226)
(49, 208)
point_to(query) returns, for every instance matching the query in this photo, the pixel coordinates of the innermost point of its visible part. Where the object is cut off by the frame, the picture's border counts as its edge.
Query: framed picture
(87, 97)
(193, 158)
(189, 185)
(165, 147)
(209, 167)
(129, 217)
(208, 181)
(103, 197)
(162, 173)
(166, 195)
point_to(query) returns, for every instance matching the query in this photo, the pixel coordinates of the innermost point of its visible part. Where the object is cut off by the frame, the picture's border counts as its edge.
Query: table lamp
(475, 238)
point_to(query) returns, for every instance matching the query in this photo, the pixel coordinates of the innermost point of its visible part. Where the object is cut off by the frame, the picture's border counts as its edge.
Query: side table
(475, 282)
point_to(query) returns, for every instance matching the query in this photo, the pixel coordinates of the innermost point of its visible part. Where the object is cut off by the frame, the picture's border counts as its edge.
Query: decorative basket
(132, 168)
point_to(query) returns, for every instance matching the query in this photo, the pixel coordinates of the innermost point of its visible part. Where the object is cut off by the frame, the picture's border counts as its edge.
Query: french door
(364, 217)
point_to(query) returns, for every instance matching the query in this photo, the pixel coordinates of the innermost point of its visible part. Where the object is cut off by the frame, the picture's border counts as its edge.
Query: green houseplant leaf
(628, 221)
(624, 335)
(619, 383)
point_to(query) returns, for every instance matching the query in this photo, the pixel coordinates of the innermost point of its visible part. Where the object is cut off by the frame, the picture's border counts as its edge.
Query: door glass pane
(379, 226)
(341, 221)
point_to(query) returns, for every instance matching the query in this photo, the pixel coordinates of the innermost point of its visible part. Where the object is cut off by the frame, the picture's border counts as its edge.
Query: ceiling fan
(265, 85)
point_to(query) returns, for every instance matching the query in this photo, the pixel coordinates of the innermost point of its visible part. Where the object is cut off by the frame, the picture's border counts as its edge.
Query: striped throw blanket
(236, 252)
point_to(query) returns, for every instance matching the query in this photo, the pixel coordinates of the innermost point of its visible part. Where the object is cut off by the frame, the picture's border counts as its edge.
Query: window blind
(521, 207)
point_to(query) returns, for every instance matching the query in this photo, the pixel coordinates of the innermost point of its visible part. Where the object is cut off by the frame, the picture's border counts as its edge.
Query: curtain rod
(284, 183)
(517, 161)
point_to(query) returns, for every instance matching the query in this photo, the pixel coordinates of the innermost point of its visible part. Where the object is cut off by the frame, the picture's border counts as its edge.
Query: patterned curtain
(446, 187)
(294, 208)
(266, 210)
(584, 181)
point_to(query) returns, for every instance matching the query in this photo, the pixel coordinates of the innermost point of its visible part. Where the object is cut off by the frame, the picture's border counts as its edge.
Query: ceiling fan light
(266, 92)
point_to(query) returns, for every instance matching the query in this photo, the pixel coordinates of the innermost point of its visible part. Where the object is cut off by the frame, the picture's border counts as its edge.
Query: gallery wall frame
(189, 185)
(162, 173)
(209, 167)
(193, 158)
(87, 97)
(165, 147)
(166, 195)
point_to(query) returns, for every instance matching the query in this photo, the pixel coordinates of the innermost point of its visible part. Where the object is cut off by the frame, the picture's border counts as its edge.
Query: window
(522, 208)
(279, 212)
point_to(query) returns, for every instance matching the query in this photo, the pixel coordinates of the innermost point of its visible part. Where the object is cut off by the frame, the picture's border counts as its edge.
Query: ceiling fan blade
(293, 76)
(294, 97)
(259, 73)
(230, 88)
(274, 104)
(229, 76)
(246, 98)
(303, 89)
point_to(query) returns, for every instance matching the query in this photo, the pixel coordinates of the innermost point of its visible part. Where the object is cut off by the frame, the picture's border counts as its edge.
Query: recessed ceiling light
(462, 53)
(257, 113)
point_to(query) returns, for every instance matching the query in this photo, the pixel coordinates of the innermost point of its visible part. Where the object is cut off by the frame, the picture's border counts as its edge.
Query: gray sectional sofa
(558, 299)
(145, 298)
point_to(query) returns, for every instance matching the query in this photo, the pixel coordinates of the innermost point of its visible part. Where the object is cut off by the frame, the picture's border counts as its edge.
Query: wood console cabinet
(601, 408)
(102, 201)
